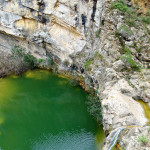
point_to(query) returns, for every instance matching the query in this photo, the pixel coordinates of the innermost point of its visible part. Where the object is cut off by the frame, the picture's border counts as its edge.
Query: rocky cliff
(107, 42)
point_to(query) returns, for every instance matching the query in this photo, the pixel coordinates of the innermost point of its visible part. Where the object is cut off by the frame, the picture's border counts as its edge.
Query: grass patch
(121, 6)
(128, 59)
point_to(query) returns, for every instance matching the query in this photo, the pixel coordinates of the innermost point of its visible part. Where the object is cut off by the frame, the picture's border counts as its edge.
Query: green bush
(143, 139)
(41, 60)
(50, 61)
(19, 53)
(121, 6)
(131, 22)
(146, 19)
(131, 17)
(148, 13)
(30, 60)
(94, 108)
(127, 57)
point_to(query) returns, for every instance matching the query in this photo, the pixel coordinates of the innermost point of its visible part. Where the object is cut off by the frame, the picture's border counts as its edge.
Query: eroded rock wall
(59, 26)
(92, 37)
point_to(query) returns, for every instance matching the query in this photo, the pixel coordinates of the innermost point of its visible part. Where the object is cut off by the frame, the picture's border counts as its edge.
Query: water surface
(41, 111)
(146, 109)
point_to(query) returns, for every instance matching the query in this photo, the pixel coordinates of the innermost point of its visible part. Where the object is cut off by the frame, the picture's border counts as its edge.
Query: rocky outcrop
(58, 26)
(97, 40)
(119, 107)
(139, 138)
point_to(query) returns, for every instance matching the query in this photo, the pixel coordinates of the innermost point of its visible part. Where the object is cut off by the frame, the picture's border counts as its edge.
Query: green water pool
(42, 111)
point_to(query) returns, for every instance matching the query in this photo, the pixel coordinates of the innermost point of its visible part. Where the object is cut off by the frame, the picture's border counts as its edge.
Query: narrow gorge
(102, 45)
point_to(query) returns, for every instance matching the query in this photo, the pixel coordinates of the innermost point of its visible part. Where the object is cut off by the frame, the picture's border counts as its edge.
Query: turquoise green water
(41, 111)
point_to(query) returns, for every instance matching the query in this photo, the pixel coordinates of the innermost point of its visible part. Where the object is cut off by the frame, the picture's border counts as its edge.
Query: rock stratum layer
(91, 36)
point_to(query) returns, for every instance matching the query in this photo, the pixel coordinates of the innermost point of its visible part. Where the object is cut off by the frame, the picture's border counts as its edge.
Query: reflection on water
(41, 111)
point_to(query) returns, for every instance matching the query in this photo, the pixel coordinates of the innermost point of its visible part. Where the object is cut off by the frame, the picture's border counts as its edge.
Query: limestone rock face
(58, 26)
(92, 37)
(119, 107)
(136, 135)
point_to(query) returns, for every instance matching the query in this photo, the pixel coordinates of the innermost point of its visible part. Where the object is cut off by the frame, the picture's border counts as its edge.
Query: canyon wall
(98, 41)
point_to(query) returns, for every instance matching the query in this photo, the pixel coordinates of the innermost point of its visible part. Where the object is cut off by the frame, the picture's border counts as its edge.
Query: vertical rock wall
(59, 26)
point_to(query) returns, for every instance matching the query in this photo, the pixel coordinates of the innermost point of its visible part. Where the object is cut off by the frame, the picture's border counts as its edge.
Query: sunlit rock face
(60, 26)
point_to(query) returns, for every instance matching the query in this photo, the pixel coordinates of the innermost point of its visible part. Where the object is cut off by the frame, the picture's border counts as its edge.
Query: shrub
(41, 60)
(131, 16)
(19, 54)
(127, 57)
(94, 107)
(131, 22)
(17, 51)
(148, 13)
(143, 139)
(121, 6)
(50, 61)
(146, 19)
(30, 60)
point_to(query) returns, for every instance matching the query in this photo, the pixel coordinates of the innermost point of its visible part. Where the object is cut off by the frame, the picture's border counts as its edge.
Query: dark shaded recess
(43, 19)
(76, 8)
(41, 5)
(81, 70)
(94, 10)
(31, 10)
(139, 14)
(74, 67)
(84, 18)
(76, 18)
(96, 81)
(91, 81)
(77, 21)
(103, 22)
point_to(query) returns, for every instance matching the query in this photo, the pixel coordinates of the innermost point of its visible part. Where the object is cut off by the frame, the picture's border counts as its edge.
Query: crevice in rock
(94, 10)
(41, 5)
(42, 18)
(84, 18)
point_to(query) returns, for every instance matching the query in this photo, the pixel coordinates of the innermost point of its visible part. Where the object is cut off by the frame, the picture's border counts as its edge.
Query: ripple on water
(66, 141)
